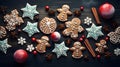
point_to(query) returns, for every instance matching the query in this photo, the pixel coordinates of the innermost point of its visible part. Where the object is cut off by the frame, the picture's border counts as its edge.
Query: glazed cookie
(73, 28)
(64, 12)
(47, 25)
(42, 44)
(2, 32)
(101, 46)
(77, 50)
(115, 36)
(13, 20)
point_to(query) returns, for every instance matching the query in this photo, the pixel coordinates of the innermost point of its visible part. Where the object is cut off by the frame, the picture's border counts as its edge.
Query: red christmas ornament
(47, 8)
(81, 39)
(98, 56)
(81, 8)
(107, 38)
(83, 36)
(55, 36)
(20, 56)
(33, 39)
(35, 52)
(106, 10)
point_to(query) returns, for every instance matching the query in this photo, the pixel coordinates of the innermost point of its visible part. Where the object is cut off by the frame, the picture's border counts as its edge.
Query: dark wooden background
(6, 60)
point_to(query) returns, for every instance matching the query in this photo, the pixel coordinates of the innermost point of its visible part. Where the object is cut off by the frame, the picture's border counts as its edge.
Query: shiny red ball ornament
(98, 56)
(81, 8)
(55, 36)
(35, 52)
(47, 8)
(33, 39)
(106, 10)
(81, 39)
(83, 36)
(20, 56)
(106, 38)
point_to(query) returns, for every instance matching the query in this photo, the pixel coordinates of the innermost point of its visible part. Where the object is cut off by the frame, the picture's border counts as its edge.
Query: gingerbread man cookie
(42, 44)
(77, 50)
(13, 20)
(64, 12)
(73, 28)
(47, 25)
(101, 46)
(2, 32)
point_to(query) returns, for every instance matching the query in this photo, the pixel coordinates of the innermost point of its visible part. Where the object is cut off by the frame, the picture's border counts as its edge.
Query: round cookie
(2, 32)
(47, 25)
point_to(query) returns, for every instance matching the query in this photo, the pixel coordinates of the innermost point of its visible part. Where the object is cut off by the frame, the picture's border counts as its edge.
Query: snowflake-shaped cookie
(21, 40)
(117, 51)
(30, 48)
(87, 21)
(115, 36)
(13, 20)
(73, 28)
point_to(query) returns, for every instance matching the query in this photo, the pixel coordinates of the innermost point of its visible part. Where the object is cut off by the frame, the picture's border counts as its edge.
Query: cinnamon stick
(95, 14)
(87, 44)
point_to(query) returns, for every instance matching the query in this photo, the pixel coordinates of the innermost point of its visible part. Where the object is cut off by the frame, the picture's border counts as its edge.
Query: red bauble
(83, 36)
(35, 52)
(98, 56)
(47, 8)
(81, 39)
(82, 8)
(106, 10)
(20, 56)
(107, 38)
(33, 39)
(55, 36)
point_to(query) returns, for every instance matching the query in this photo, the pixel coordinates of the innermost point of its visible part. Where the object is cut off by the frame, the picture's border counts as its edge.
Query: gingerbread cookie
(47, 25)
(64, 12)
(101, 46)
(77, 50)
(73, 28)
(42, 44)
(13, 20)
(2, 32)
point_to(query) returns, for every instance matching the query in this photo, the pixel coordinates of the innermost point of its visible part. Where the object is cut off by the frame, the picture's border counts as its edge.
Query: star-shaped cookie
(94, 31)
(31, 28)
(60, 49)
(29, 11)
(4, 45)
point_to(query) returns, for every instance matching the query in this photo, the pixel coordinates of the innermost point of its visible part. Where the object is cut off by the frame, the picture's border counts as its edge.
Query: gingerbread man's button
(64, 12)
(77, 50)
(73, 28)
(42, 44)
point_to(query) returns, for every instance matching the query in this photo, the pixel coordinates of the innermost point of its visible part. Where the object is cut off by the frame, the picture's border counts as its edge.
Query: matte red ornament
(47, 8)
(20, 56)
(33, 39)
(106, 10)
(81, 39)
(82, 8)
(35, 52)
